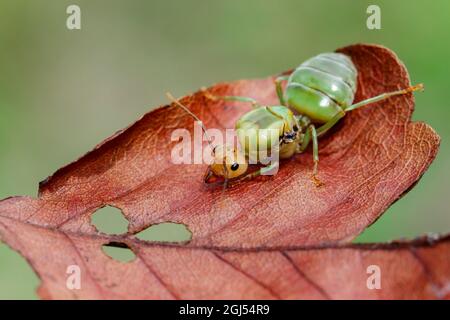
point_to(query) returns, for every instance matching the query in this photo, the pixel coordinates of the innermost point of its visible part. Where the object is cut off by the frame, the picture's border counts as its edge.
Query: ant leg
(384, 96)
(315, 142)
(328, 125)
(311, 135)
(305, 143)
(324, 128)
(207, 176)
(254, 103)
(275, 114)
(279, 88)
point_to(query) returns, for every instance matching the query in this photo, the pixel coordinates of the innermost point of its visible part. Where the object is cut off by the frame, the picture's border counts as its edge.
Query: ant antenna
(178, 103)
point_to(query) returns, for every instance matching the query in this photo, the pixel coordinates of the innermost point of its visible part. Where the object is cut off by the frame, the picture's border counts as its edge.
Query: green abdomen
(322, 86)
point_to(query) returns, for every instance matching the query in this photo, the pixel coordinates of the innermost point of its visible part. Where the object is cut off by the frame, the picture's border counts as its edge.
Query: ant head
(228, 162)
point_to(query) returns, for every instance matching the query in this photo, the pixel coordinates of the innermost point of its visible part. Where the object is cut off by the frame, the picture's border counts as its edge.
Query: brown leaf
(244, 240)
(416, 270)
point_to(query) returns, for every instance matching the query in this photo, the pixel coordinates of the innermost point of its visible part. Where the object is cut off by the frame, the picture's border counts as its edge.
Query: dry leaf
(244, 241)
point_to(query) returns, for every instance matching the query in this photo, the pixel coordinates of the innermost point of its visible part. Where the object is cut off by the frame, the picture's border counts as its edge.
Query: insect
(318, 94)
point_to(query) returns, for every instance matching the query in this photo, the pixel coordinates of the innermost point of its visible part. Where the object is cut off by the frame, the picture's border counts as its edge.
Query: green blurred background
(62, 91)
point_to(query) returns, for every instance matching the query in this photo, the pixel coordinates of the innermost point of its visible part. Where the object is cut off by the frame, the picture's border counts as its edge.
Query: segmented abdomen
(322, 86)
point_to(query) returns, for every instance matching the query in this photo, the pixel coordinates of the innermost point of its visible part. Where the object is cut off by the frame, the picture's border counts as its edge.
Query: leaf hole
(110, 220)
(166, 232)
(118, 251)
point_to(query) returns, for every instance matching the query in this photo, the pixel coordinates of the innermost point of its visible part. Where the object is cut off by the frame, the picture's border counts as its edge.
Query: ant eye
(295, 128)
(234, 166)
